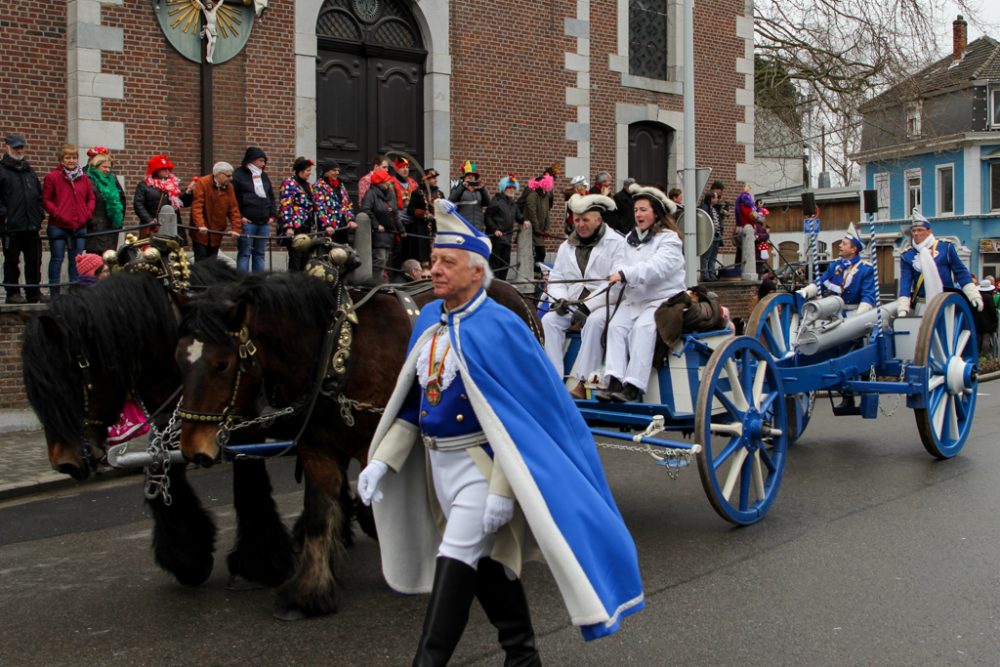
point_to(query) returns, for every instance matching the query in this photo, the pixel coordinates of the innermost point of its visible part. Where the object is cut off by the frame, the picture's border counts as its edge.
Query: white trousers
(588, 361)
(631, 342)
(461, 490)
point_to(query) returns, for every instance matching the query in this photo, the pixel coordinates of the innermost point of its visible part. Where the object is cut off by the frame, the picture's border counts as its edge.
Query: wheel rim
(946, 345)
(775, 323)
(740, 422)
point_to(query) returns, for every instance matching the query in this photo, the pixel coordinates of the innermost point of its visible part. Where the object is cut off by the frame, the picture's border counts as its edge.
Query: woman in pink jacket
(69, 200)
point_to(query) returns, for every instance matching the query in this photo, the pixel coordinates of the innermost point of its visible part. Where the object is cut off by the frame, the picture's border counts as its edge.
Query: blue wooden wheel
(946, 344)
(740, 424)
(775, 323)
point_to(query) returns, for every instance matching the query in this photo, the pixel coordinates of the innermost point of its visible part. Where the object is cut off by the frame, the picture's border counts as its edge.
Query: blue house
(932, 143)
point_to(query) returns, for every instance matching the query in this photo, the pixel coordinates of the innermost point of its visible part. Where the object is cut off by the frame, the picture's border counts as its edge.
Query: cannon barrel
(843, 330)
(822, 309)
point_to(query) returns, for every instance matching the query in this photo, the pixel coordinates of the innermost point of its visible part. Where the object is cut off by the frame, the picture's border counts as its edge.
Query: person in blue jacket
(918, 279)
(849, 277)
(478, 460)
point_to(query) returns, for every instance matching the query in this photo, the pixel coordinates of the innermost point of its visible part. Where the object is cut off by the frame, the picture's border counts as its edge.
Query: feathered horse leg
(183, 532)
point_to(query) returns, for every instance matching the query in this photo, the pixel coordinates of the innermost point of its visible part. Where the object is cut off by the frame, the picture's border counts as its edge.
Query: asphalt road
(873, 554)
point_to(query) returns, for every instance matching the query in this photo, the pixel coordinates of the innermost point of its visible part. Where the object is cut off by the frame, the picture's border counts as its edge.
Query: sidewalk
(25, 467)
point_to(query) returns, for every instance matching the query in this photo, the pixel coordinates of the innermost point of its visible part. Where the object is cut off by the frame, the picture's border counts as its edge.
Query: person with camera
(471, 196)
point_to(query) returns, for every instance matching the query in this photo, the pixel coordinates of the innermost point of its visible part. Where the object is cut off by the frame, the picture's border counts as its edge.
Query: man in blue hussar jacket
(513, 466)
(930, 266)
(849, 277)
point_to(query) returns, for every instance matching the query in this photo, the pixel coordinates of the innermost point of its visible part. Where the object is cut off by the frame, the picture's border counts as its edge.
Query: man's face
(260, 162)
(403, 171)
(587, 223)
(920, 233)
(16, 153)
(333, 174)
(223, 178)
(847, 249)
(510, 191)
(454, 279)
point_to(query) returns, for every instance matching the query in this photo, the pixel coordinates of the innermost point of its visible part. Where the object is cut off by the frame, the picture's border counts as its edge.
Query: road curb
(55, 481)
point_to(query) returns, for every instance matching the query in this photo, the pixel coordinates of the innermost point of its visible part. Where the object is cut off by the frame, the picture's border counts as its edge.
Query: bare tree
(838, 53)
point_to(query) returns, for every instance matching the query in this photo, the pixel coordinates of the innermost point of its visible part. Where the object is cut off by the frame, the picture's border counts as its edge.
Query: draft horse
(253, 347)
(93, 348)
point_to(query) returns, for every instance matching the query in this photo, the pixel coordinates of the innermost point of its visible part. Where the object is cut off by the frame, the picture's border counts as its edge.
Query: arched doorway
(650, 146)
(369, 83)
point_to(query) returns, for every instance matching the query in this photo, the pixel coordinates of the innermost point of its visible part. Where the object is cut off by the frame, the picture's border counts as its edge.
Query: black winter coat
(502, 215)
(256, 209)
(624, 218)
(380, 205)
(20, 197)
(147, 202)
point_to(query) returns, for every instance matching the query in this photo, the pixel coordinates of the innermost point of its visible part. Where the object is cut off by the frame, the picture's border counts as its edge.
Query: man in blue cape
(929, 267)
(492, 465)
(849, 277)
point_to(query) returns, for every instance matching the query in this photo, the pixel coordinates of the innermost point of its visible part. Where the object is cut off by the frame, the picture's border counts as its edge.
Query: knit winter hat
(87, 264)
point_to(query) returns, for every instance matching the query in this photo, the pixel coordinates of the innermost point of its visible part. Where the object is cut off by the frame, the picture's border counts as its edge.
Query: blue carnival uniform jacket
(948, 265)
(852, 280)
(545, 450)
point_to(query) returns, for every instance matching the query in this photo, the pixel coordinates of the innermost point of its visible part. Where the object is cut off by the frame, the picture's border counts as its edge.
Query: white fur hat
(581, 204)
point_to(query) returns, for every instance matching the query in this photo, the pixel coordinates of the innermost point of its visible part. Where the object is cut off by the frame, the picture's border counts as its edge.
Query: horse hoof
(238, 583)
(290, 614)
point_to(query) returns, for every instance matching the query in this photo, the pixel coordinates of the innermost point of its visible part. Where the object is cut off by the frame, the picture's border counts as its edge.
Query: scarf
(258, 180)
(925, 264)
(637, 237)
(171, 185)
(107, 186)
(73, 174)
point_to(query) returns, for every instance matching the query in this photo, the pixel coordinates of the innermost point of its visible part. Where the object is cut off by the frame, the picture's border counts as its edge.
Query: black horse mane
(297, 297)
(114, 324)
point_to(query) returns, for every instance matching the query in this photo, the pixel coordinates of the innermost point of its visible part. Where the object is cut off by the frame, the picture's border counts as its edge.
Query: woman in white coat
(652, 272)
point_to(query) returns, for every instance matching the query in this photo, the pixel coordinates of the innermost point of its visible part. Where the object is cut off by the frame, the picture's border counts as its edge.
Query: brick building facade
(514, 86)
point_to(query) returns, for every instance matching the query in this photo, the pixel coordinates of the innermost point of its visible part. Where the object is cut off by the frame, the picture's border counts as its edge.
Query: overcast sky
(986, 21)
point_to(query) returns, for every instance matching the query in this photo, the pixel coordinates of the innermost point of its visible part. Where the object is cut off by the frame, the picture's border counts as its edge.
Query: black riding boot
(447, 612)
(506, 606)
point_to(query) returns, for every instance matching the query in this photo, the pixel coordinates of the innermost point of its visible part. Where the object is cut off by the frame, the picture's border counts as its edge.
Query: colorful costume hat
(469, 167)
(661, 203)
(581, 204)
(509, 181)
(454, 231)
(919, 220)
(158, 162)
(854, 237)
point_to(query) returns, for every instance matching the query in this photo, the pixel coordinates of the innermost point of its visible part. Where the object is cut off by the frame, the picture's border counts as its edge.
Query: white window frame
(882, 182)
(938, 189)
(994, 168)
(914, 113)
(994, 109)
(618, 62)
(909, 190)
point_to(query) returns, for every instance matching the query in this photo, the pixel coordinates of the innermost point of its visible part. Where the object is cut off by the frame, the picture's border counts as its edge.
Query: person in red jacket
(69, 200)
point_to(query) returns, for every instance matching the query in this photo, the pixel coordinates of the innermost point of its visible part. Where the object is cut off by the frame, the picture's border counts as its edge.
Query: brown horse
(91, 349)
(255, 344)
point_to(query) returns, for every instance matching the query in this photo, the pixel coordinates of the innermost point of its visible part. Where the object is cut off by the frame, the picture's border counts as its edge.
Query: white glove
(903, 306)
(810, 291)
(499, 510)
(368, 481)
(864, 307)
(975, 298)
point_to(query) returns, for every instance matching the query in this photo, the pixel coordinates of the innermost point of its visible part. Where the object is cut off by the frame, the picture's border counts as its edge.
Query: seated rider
(577, 282)
(652, 271)
(850, 278)
(918, 279)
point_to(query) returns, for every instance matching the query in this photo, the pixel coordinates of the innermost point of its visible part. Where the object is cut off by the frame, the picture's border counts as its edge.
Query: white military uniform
(654, 272)
(606, 254)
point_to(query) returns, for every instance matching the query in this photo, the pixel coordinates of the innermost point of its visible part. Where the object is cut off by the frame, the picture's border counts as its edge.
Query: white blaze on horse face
(194, 350)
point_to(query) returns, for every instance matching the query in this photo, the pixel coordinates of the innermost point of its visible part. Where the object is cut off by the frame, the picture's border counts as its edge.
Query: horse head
(244, 349)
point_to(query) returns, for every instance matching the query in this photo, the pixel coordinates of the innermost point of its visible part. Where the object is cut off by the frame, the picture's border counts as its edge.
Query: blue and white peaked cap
(454, 231)
(919, 220)
(854, 237)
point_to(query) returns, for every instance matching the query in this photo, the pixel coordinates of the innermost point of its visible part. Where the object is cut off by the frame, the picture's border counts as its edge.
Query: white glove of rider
(903, 306)
(499, 510)
(864, 307)
(975, 298)
(368, 481)
(810, 291)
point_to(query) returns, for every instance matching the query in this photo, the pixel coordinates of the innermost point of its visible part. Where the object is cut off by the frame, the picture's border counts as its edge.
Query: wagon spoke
(734, 474)
(739, 398)
(765, 456)
(949, 326)
(727, 451)
(935, 382)
(937, 350)
(778, 330)
(953, 416)
(758, 383)
(758, 475)
(961, 406)
(745, 474)
(939, 414)
(963, 340)
(727, 403)
(734, 428)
